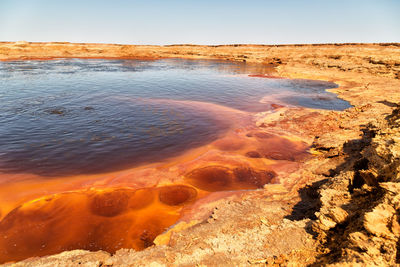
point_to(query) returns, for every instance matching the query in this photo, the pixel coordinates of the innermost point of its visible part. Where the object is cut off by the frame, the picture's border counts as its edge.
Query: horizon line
(210, 45)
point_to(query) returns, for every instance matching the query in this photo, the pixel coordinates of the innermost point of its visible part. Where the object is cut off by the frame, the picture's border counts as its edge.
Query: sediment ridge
(341, 207)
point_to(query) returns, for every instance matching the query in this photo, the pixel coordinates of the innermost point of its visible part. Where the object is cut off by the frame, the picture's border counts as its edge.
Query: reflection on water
(71, 116)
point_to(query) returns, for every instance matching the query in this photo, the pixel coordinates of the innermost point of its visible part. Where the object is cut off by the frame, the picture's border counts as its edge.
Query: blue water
(71, 116)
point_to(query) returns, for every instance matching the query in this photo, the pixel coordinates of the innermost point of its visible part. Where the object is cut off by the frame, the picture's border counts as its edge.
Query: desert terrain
(341, 206)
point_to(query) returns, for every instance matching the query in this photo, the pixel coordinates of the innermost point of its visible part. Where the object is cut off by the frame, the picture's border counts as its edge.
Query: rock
(325, 223)
(338, 214)
(363, 242)
(378, 221)
(56, 111)
(395, 226)
(164, 238)
(67, 258)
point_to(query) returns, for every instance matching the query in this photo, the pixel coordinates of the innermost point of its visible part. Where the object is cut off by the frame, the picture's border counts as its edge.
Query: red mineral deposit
(107, 219)
(212, 178)
(218, 178)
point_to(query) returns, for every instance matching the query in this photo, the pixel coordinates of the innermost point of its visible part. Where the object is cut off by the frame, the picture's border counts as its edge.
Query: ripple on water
(64, 117)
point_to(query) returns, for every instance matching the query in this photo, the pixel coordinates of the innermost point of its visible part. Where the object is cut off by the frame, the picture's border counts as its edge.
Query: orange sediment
(107, 219)
(130, 208)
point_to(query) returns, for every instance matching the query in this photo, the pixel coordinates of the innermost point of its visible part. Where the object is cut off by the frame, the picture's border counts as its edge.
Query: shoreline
(369, 80)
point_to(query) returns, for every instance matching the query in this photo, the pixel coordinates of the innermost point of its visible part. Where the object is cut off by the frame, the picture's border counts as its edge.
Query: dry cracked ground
(340, 208)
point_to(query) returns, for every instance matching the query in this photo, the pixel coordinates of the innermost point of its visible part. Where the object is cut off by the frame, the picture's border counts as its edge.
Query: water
(71, 117)
(75, 116)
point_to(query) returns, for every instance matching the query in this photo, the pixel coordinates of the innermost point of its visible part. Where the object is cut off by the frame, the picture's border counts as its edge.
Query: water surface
(77, 116)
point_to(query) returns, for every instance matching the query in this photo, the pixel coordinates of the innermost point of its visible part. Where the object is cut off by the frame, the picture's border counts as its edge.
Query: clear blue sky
(201, 21)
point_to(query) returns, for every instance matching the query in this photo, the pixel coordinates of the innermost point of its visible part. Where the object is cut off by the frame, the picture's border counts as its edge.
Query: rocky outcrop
(358, 221)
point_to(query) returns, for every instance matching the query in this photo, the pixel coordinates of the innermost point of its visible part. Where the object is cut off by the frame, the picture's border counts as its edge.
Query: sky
(200, 22)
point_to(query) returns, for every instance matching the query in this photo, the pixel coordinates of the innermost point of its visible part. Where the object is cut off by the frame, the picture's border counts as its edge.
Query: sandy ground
(340, 207)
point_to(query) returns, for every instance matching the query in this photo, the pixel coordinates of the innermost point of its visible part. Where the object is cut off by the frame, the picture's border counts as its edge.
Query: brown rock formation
(364, 196)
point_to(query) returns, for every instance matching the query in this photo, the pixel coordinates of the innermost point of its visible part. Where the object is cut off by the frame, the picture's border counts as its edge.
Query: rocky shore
(341, 207)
